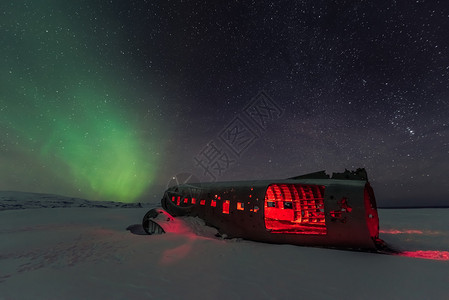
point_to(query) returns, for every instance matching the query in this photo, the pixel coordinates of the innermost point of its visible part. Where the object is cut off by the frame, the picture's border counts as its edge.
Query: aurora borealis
(64, 113)
(108, 100)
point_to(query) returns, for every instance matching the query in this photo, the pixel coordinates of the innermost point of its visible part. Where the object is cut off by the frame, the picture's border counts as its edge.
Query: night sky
(108, 100)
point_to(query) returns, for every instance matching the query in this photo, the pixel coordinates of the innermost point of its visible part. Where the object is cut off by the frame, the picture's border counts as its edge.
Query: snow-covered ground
(74, 249)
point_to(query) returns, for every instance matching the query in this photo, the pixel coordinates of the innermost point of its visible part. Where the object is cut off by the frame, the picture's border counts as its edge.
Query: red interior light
(226, 204)
(295, 208)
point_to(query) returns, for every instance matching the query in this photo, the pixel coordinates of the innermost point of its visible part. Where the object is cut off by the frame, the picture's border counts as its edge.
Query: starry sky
(109, 100)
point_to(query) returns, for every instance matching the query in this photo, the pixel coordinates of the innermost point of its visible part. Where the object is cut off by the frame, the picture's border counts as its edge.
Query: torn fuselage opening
(295, 208)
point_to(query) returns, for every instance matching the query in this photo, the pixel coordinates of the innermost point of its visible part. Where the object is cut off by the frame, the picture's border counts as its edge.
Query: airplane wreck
(316, 209)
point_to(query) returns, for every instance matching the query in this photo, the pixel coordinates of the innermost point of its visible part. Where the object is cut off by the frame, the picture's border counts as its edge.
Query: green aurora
(65, 106)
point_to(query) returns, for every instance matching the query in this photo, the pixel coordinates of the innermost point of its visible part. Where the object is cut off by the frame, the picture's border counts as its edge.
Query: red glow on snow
(295, 208)
(226, 206)
(427, 254)
(177, 226)
(171, 256)
(405, 231)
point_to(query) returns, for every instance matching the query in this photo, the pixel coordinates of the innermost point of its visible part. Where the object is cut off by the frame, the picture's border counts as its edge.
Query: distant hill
(25, 200)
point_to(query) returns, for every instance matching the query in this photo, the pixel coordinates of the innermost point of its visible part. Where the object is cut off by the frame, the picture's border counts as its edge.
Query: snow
(91, 252)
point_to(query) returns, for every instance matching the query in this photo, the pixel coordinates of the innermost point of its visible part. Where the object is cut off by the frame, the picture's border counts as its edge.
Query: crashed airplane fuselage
(311, 210)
